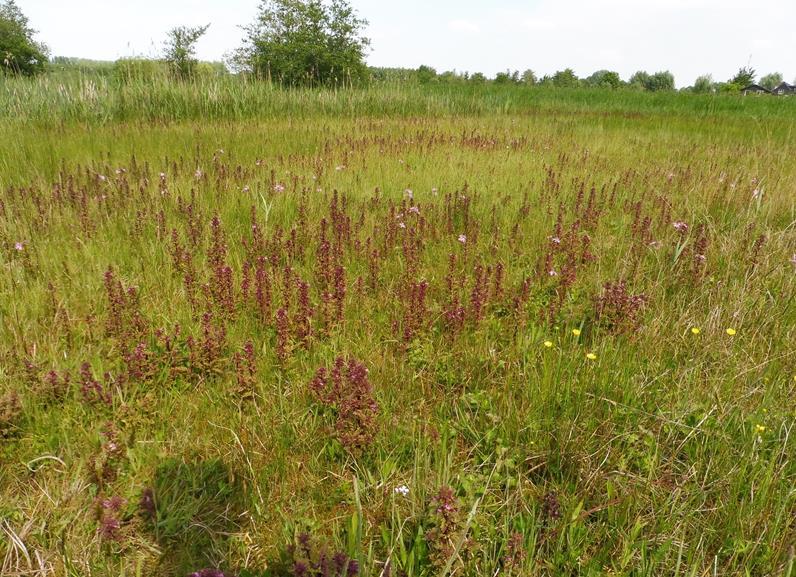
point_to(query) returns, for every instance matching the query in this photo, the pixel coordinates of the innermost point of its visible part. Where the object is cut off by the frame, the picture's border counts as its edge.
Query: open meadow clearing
(394, 332)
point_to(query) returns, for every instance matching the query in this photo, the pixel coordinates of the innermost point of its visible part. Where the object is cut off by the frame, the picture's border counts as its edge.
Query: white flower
(414, 210)
(102, 177)
(401, 225)
(246, 188)
(462, 238)
(551, 272)
(278, 187)
(19, 246)
(408, 192)
(340, 167)
(555, 240)
(198, 174)
(434, 191)
(401, 490)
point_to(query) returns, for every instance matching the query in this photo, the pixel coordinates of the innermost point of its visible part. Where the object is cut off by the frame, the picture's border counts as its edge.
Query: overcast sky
(687, 37)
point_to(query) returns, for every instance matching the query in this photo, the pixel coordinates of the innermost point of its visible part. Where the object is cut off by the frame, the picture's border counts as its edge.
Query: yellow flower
(760, 429)
(576, 332)
(591, 357)
(695, 330)
(731, 332)
(548, 344)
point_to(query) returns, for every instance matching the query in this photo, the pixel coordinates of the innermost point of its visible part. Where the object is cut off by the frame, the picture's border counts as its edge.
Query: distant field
(409, 331)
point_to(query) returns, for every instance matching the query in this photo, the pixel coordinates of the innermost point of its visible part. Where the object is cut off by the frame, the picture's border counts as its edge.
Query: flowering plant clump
(10, 413)
(108, 512)
(447, 524)
(347, 390)
(617, 309)
(311, 557)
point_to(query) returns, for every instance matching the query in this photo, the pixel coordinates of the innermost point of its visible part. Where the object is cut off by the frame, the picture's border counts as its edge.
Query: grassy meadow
(395, 331)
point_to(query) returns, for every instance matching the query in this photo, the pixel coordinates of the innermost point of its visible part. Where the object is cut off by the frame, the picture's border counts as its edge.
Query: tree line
(315, 43)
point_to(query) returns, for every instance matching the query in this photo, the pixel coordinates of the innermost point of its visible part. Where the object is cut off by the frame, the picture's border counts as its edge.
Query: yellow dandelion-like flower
(548, 344)
(591, 357)
(695, 330)
(760, 429)
(731, 332)
(576, 332)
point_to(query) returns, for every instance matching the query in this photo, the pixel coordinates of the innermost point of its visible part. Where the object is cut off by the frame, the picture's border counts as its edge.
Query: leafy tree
(661, 81)
(529, 77)
(507, 77)
(604, 79)
(640, 80)
(565, 79)
(180, 49)
(704, 84)
(653, 82)
(771, 81)
(426, 74)
(744, 77)
(478, 78)
(306, 42)
(19, 52)
(450, 77)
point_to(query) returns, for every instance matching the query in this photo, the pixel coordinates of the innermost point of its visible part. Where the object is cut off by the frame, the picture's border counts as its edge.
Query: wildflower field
(523, 337)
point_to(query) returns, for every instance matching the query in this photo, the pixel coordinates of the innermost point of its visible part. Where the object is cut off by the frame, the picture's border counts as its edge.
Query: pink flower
(414, 210)
(462, 238)
(19, 246)
(401, 225)
(279, 187)
(680, 226)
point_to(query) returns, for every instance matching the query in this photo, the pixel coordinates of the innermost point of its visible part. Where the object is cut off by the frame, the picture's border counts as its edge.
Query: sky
(687, 37)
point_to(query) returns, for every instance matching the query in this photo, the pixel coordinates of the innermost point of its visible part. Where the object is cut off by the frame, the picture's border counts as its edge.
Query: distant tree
(451, 77)
(604, 79)
(661, 81)
(653, 82)
(565, 79)
(504, 77)
(477, 78)
(529, 77)
(771, 81)
(744, 77)
(426, 74)
(306, 42)
(640, 80)
(704, 84)
(19, 52)
(180, 49)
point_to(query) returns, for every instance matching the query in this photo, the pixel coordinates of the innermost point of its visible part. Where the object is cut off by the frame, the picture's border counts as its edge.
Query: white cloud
(464, 26)
(537, 24)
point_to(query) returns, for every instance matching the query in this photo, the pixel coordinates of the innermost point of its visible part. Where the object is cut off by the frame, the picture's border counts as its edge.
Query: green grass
(670, 453)
(96, 98)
